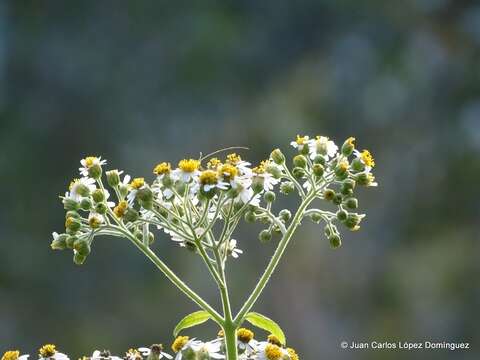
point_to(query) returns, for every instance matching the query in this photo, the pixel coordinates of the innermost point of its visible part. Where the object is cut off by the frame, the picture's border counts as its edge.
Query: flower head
(89, 162)
(13, 355)
(162, 169)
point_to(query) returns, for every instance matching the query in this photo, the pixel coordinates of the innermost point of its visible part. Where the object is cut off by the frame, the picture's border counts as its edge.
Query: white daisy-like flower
(135, 185)
(90, 161)
(245, 192)
(78, 186)
(156, 350)
(232, 249)
(14, 355)
(187, 170)
(184, 344)
(104, 355)
(268, 351)
(209, 350)
(300, 142)
(322, 145)
(366, 159)
(49, 352)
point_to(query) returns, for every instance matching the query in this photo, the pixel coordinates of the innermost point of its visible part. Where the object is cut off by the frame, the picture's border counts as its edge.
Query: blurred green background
(143, 81)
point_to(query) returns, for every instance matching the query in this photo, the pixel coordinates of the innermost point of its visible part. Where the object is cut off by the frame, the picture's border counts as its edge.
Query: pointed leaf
(267, 324)
(195, 318)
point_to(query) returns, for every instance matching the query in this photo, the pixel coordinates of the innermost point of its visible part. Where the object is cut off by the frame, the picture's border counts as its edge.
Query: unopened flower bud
(341, 169)
(145, 194)
(101, 208)
(257, 184)
(342, 215)
(59, 242)
(98, 195)
(72, 224)
(265, 236)
(287, 187)
(365, 179)
(82, 247)
(357, 165)
(300, 161)
(94, 221)
(72, 213)
(82, 189)
(352, 221)
(335, 241)
(329, 194)
(274, 171)
(70, 241)
(348, 146)
(277, 156)
(269, 196)
(131, 215)
(316, 217)
(95, 171)
(70, 204)
(351, 203)
(167, 181)
(250, 217)
(319, 159)
(113, 178)
(86, 204)
(180, 187)
(337, 199)
(123, 190)
(79, 259)
(285, 215)
(318, 170)
(298, 172)
(148, 205)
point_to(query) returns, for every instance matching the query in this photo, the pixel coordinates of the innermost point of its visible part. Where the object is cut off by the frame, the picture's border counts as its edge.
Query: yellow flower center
(245, 335)
(94, 222)
(120, 209)
(133, 354)
(261, 168)
(179, 343)
(272, 339)
(11, 355)
(301, 140)
(189, 165)
(90, 160)
(208, 177)
(293, 354)
(367, 158)
(351, 141)
(162, 168)
(47, 350)
(221, 333)
(213, 163)
(273, 352)
(343, 166)
(233, 159)
(228, 171)
(137, 183)
(69, 221)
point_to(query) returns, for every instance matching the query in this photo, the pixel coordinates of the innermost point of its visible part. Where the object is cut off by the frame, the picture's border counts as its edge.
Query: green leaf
(267, 324)
(193, 319)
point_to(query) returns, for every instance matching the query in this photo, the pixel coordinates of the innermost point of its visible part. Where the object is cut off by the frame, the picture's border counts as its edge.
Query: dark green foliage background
(143, 81)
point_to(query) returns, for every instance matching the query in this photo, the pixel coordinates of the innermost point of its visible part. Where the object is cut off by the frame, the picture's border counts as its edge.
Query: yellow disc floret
(11, 355)
(189, 165)
(137, 183)
(208, 177)
(120, 209)
(179, 343)
(245, 335)
(367, 158)
(94, 222)
(233, 159)
(228, 171)
(293, 354)
(272, 339)
(213, 163)
(162, 168)
(261, 168)
(47, 351)
(301, 140)
(273, 352)
(90, 161)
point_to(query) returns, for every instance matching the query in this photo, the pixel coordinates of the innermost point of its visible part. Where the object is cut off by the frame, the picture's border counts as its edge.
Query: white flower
(146, 351)
(103, 355)
(210, 348)
(14, 355)
(49, 352)
(245, 193)
(90, 161)
(232, 249)
(300, 142)
(192, 344)
(78, 185)
(322, 146)
(187, 170)
(267, 351)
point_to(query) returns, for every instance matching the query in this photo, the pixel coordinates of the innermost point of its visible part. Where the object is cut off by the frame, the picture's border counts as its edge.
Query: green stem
(230, 332)
(273, 261)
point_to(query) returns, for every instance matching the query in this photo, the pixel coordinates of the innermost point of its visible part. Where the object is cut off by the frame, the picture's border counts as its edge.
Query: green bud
(274, 171)
(148, 205)
(365, 179)
(113, 178)
(348, 184)
(189, 354)
(304, 149)
(357, 165)
(287, 187)
(300, 161)
(86, 204)
(335, 241)
(82, 246)
(269, 196)
(351, 203)
(319, 159)
(337, 199)
(318, 170)
(72, 224)
(328, 194)
(101, 208)
(98, 195)
(79, 259)
(348, 146)
(257, 184)
(95, 171)
(60, 243)
(277, 156)
(167, 181)
(285, 215)
(352, 221)
(144, 194)
(298, 172)
(250, 217)
(73, 214)
(70, 241)
(131, 215)
(316, 217)
(180, 186)
(123, 190)
(265, 236)
(342, 215)
(82, 189)
(341, 169)
(69, 204)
